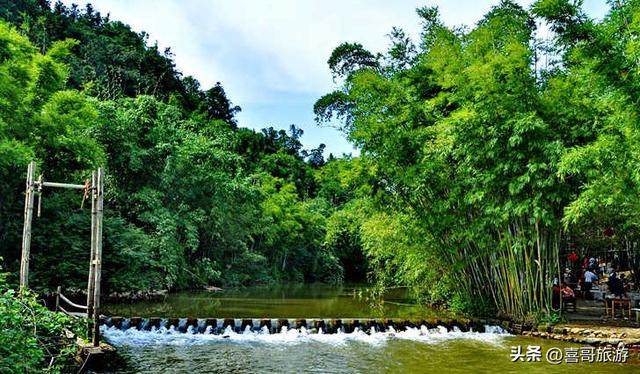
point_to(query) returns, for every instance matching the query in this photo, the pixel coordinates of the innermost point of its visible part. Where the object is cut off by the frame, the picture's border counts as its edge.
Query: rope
(87, 188)
(86, 359)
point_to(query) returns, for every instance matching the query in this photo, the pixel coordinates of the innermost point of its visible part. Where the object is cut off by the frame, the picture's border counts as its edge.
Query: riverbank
(591, 324)
(591, 334)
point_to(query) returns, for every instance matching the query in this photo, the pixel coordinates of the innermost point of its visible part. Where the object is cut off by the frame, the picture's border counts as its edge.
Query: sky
(271, 56)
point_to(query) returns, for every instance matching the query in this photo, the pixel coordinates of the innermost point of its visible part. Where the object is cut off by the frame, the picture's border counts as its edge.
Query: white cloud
(270, 52)
(260, 47)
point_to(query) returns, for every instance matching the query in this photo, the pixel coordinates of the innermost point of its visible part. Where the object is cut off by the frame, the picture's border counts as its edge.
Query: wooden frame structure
(96, 188)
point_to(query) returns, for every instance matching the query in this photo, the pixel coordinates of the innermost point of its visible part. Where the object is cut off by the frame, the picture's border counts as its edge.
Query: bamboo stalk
(58, 292)
(98, 260)
(91, 280)
(63, 185)
(538, 241)
(26, 230)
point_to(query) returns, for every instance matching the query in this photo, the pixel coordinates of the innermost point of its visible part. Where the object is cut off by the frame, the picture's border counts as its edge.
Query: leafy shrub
(550, 318)
(32, 337)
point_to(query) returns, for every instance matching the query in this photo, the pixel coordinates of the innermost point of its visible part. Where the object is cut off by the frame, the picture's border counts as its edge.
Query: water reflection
(290, 301)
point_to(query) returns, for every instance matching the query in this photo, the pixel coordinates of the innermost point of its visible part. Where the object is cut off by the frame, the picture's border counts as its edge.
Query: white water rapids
(170, 336)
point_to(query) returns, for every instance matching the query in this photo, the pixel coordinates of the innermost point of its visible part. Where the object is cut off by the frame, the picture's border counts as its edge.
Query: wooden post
(91, 281)
(58, 292)
(98, 257)
(95, 258)
(39, 195)
(26, 230)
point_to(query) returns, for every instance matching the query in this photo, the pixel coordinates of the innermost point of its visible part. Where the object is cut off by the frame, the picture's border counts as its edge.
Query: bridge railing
(61, 299)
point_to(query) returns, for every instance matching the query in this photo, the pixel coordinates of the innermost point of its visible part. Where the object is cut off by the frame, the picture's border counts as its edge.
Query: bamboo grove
(497, 146)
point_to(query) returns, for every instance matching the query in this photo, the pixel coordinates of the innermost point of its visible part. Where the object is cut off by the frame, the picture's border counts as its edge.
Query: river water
(255, 350)
(284, 301)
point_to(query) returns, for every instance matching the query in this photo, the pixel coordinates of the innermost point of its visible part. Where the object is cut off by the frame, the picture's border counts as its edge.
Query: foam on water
(172, 336)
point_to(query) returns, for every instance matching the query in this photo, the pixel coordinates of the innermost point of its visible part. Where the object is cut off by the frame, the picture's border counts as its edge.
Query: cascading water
(144, 325)
(200, 332)
(219, 326)
(182, 325)
(125, 324)
(202, 326)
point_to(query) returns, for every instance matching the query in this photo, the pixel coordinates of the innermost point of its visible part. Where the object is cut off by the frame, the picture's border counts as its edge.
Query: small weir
(136, 331)
(276, 325)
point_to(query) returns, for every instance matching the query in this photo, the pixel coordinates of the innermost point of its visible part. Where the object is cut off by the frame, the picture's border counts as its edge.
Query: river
(283, 301)
(257, 350)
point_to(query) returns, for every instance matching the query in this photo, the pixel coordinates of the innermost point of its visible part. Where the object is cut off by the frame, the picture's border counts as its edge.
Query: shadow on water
(283, 301)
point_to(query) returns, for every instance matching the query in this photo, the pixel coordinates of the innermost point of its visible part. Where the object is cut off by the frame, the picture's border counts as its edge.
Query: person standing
(616, 284)
(589, 278)
(602, 266)
(616, 261)
(566, 277)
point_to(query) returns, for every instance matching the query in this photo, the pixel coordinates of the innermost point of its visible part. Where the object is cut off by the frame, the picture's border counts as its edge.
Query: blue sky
(270, 56)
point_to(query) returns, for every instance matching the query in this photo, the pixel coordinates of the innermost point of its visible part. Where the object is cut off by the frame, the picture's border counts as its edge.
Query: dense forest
(192, 199)
(485, 153)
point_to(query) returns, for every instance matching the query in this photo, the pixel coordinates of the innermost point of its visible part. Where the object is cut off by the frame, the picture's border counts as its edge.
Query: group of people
(597, 264)
(592, 269)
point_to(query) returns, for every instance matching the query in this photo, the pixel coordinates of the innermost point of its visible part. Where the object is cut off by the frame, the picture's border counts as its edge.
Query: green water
(393, 356)
(411, 351)
(286, 301)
